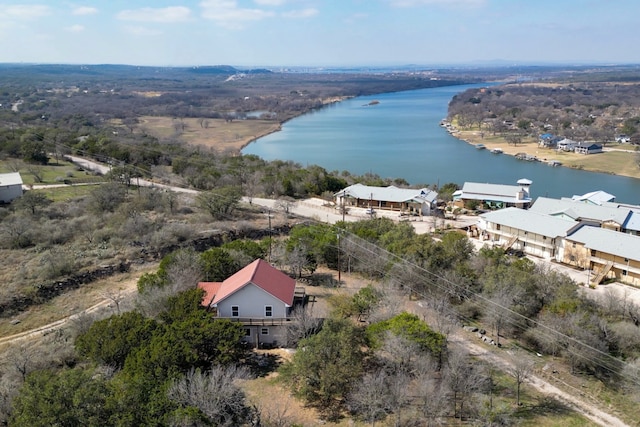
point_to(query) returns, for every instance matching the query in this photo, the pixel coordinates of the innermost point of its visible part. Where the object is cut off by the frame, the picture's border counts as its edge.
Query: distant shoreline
(608, 162)
(325, 102)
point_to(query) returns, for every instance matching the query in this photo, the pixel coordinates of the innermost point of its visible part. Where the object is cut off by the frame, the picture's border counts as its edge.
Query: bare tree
(370, 397)
(463, 379)
(286, 204)
(215, 393)
(23, 358)
(116, 297)
(399, 354)
(431, 398)
(520, 369)
(399, 395)
(302, 325)
(185, 270)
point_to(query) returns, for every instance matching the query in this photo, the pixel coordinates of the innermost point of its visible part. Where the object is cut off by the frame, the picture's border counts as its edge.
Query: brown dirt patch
(93, 295)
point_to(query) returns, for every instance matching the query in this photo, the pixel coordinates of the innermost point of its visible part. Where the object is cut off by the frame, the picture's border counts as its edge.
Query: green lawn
(53, 173)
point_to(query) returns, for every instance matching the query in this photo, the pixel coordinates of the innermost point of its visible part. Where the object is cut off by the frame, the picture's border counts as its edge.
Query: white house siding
(276, 335)
(251, 301)
(529, 243)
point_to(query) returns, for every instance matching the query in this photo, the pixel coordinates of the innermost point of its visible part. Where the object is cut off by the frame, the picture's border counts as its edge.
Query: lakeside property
(616, 159)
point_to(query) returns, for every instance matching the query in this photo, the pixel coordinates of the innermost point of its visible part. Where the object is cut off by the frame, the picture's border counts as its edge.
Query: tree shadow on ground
(544, 406)
(262, 364)
(320, 279)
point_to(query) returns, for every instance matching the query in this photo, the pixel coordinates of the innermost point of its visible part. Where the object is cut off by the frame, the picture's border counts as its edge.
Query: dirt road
(579, 404)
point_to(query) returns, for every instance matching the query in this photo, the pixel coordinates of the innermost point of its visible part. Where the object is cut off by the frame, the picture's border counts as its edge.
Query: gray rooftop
(12, 178)
(389, 194)
(608, 241)
(532, 222)
(595, 197)
(494, 192)
(579, 210)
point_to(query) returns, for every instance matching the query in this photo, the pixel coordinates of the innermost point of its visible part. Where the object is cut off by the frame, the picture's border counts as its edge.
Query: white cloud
(84, 10)
(303, 13)
(141, 31)
(75, 28)
(149, 14)
(227, 13)
(19, 11)
(455, 3)
(270, 2)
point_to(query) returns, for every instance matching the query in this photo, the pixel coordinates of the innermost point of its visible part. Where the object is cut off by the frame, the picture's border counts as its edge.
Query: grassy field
(613, 162)
(53, 173)
(218, 134)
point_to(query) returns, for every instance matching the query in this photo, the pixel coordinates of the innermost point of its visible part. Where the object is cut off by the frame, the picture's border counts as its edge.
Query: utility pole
(338, 235)
(269, 216)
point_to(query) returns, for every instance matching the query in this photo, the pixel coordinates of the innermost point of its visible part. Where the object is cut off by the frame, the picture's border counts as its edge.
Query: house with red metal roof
(260, 296)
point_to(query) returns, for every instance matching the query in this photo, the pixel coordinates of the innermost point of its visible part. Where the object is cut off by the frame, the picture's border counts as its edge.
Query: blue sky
(319, 32)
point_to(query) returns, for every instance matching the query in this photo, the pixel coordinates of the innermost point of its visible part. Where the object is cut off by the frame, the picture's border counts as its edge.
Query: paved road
(321, 211)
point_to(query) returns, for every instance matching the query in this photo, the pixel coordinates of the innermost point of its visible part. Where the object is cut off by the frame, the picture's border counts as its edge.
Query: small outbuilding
(10, 186)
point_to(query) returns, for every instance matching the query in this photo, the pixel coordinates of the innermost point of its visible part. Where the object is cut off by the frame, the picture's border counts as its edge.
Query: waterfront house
(623, 139)
(595, 197)
(605, 216)
(566, 144)
(10, 186)
(587, 148)
(405, 200)
(494, 196)
(604, 254)
(594, 238)
(532, 233)
(259, 296)
(548, 140)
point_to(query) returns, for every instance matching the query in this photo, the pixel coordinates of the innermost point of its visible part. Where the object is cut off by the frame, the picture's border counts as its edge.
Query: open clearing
(218, 134)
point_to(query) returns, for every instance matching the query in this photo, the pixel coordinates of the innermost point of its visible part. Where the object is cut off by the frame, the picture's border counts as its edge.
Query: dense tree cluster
(594, 111)
(510, 297)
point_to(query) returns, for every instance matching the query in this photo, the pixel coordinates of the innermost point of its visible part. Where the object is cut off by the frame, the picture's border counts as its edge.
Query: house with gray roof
(494, 196)
(606, 253)
(595, 238)
(605, 216)
(587, 148)
(595, 197)
(531, 232)
(408, 200)
(566, 144)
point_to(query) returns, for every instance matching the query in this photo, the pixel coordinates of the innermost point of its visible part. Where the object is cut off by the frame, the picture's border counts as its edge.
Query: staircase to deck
(510, 243)
(603, 273)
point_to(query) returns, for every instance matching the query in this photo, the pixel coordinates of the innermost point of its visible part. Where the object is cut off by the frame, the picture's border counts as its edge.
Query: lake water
(401, 137)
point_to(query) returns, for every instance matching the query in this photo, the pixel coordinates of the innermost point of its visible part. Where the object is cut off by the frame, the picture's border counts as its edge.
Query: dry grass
(75, 301)
(220, 135)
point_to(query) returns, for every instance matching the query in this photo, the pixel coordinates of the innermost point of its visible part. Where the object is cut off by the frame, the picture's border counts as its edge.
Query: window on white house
(235, 311)
(264, 331)
(268, 311)
(247, 332)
